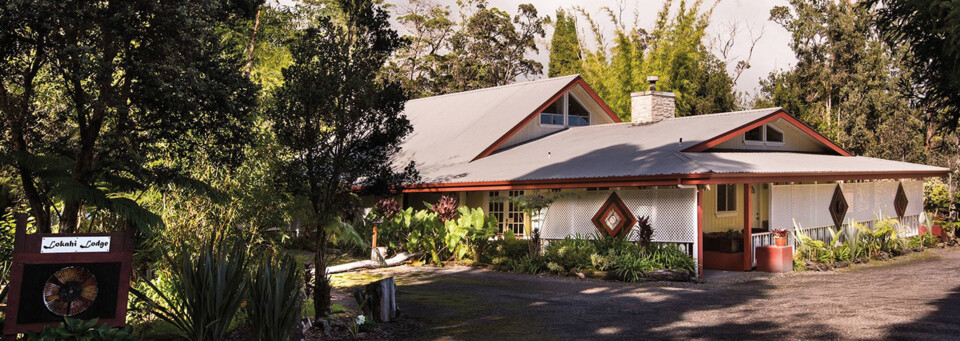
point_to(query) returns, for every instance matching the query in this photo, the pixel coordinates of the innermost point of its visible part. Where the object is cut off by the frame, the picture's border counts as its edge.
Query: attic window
(774, 135)
(755, 134)
(553, 114)
(578, 116)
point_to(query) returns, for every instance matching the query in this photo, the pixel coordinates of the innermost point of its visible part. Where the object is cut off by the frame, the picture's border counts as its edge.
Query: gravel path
(912, 297)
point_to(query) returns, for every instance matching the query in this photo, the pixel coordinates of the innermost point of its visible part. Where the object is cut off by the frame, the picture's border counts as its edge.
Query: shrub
(632, 266)
(571, 252)
(528, 264)
(275, 298)
(668, 256)
(469, 233)
(74, 329)
(206, 294)
(604, 262)
(507, 248)
(930, 240)
(644, 231)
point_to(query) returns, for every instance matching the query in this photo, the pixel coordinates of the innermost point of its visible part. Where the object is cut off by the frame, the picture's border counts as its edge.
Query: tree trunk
(321, 292)
(253, 40)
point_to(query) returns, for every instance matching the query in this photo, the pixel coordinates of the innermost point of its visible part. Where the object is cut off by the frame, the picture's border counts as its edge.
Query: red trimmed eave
(668, 180)
(513, 131)
(779, 114)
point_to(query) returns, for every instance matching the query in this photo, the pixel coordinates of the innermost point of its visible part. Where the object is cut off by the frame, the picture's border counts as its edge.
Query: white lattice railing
(758, 240)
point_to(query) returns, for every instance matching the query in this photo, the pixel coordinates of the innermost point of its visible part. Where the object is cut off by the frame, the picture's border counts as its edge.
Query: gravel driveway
(912, 297)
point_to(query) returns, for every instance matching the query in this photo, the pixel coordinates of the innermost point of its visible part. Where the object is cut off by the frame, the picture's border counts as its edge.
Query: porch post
(700, 232)
(747, 231)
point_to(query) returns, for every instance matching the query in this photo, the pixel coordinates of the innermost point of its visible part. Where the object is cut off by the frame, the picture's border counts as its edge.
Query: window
(509, 216)
(774, 135)
(726, 198)
(578, 115)
(755, 134)
(764, 133)
(553, 114)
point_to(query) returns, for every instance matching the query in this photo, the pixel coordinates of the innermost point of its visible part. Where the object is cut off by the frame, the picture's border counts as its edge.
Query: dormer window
(566, 111)
(578, 115)
(553, 114)
(754, 135)
(774, 135)
(763, 134)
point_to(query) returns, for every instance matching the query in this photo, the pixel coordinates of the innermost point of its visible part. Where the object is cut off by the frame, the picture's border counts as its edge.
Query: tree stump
(668, 275)
(378, 300)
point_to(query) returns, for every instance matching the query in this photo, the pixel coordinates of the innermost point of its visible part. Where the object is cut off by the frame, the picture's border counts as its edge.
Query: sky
(771, 51)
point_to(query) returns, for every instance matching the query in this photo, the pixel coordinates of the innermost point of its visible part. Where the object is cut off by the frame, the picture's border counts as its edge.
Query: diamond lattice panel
(673, 213)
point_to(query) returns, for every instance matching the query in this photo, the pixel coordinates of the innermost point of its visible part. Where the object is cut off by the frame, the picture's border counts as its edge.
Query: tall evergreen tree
(565, 52)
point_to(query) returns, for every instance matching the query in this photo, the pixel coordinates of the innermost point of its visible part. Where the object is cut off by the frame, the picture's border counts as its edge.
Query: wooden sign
(83, 276)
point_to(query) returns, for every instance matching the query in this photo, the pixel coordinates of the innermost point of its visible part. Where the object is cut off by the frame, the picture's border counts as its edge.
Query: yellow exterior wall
(713, 223)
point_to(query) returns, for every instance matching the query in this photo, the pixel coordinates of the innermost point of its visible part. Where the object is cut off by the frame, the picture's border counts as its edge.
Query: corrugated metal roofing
(454, 128)
(450, 130)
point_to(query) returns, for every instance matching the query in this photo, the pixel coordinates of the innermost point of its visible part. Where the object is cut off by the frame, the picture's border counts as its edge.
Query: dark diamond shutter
(900, 202)
(838, 207)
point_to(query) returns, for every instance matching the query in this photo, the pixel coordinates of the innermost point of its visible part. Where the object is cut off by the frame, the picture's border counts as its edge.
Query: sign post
(82, 276)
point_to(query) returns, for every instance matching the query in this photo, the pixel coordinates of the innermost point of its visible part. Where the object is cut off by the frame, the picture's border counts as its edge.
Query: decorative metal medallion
(900, 202)
(838, 207)
(613, 218)
(70, 291)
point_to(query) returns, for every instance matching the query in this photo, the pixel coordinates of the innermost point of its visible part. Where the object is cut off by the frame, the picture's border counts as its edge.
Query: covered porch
(736, 219)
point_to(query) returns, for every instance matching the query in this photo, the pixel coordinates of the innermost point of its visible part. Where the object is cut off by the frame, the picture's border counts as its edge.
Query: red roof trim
(779, 114)
(668, 180)
(513, 131)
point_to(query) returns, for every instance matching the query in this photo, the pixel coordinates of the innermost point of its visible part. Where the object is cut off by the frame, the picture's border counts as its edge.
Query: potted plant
(780, 237)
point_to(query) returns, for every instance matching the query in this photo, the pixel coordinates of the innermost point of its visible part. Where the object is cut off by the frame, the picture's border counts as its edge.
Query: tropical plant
(276, 293)
(72, 329)
(644, 231)
(445, 208)
(781, 233)
(207, 291)
(469, 233)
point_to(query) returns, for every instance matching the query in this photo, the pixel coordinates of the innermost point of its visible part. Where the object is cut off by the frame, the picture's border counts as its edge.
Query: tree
(846, 81)
(932, 33)
(673, 50)
(102, 99)
(339, 122)
(565, 52)
(484, 48)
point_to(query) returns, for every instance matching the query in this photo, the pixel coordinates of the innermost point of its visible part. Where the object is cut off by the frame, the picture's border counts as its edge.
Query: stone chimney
(652, 106)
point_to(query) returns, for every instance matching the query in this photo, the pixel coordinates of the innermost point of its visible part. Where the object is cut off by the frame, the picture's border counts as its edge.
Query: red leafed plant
(644, 231)
(446, 208)
(387, 208)
(780, 233)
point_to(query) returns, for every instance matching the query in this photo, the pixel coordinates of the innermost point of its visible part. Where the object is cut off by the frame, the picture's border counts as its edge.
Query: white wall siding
(808, 203)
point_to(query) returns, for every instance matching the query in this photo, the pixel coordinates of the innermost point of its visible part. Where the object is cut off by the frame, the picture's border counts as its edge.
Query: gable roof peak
(499, 87)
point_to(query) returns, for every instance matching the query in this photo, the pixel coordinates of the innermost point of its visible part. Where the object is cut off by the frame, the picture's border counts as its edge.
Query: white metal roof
(450, 130)
(454, 128)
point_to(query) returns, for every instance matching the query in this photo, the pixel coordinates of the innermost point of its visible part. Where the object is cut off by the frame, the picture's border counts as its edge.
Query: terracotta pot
(937, 231)
(781, 241)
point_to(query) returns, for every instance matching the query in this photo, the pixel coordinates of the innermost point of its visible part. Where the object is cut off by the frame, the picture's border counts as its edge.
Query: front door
(756, 198)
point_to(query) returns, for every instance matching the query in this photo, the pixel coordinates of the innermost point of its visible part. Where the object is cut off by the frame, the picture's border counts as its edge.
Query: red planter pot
(937, 231)
(780, 241)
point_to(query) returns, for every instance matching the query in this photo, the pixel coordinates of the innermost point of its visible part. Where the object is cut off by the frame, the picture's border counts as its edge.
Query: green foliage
(207, 291)
(848, 83)
(275, 298)
(673, 50)
(469, 234)
(565, 51)
(77, 330)
(482, 47)
(94, 114)
(936, 197)
(929, 30)
(629, 260)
